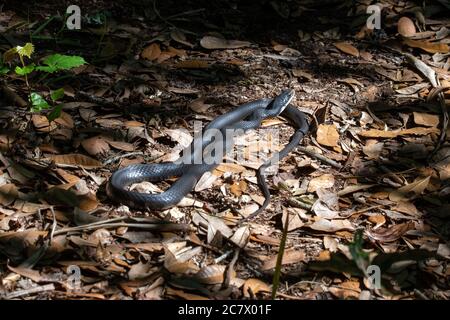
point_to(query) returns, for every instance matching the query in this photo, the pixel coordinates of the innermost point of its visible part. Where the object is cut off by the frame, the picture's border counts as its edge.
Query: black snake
(245, 117)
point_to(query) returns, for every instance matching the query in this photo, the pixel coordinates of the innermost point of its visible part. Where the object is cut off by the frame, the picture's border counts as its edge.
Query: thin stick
(147, 226)
(319, 157)
(26, 292)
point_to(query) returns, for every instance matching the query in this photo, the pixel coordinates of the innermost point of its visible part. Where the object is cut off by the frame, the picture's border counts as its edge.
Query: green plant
(49, 65)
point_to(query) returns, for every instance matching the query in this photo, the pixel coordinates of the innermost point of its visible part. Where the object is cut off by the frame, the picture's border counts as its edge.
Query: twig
(320, 157)
(129, 154)
(146, 226)
(26, 292)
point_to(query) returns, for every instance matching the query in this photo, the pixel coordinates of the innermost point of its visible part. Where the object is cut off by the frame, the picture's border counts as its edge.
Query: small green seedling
(50, 64)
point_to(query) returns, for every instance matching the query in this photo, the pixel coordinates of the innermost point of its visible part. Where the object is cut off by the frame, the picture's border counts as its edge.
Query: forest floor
(363, 202)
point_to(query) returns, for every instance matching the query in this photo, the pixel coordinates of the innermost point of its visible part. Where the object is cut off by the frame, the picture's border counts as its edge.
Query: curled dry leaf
(178, 36)
(212, 274)
(8, 193)
(254, 286)
(240, 236)
(411, 190)
(327, 135)
(390, 234)
(199, 105)
(406, 27)
(347, 48)
(209, 42)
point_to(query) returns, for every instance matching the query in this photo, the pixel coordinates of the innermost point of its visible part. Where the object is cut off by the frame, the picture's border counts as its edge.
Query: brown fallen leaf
(374, 133)
(346, 290)
(431, 47)
(324, 181)
(75, 159)
(212, 274)
(290, 256)
(8, 193)
(238, 187)
(230, 167)
(331, 225)
(255, 285)
(406, 27)
(426, 119)
(347, 48)
(95, 146)
(390, 234)
(151, 52)
(410, 190)
(327, 135)
(209, 42)
(121, 145)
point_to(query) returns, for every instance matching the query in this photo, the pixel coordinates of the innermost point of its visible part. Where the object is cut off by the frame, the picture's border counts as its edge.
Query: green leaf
(58, 62)
(25, 51)
(4, 70)
(56, 113)
(57, 94)
(37, 102)
(21, 71)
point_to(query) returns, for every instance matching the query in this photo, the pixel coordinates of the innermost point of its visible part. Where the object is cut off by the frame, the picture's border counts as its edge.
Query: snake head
(284, 99)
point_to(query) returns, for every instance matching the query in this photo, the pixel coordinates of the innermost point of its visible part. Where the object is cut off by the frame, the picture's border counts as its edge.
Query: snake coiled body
(247, 116)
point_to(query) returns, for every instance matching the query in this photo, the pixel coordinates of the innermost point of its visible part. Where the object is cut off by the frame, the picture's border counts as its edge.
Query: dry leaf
(347, 48)
(178, 36)
(290, 256)
(331, 225)
(374, 133)
(230, 167)
(411, 190)
(327, 135)
(302, 74)
(324, 181)
(390, 234)
(431, 47)
(8, 193)
(209, 42)
(406, 27)
(255, 285)
(199, 105)
(95, 146)
(121, 145)
(237, 188)
(426, 119)
(212, 274)
(151, 52)
(75, 159)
